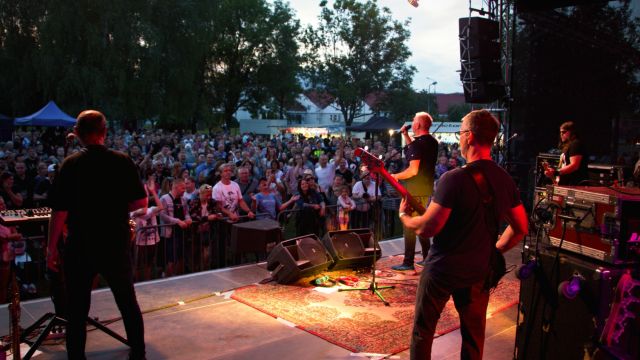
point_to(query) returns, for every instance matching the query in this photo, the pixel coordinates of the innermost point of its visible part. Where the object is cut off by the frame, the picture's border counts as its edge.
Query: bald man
(421, 153)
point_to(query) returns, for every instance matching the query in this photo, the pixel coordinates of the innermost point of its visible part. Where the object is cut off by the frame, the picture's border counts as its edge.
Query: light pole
(434, 83)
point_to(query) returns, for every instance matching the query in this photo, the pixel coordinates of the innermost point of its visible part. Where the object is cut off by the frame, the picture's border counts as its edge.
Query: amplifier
(605, 175)
(598, 222)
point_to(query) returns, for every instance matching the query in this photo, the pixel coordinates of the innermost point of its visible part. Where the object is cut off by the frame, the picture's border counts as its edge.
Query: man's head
(567, 132)
(20, 168)
(478, 130)
(263, 184)
(243, 174)
(421, 123)
(226, 171)
(210, 159)
(91, 127)
(190, 184)
(178, 187)
(324, 159)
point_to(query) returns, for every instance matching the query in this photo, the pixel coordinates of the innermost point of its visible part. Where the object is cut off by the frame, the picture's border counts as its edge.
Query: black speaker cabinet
(298, 257)
(350, 248)
(553, 326)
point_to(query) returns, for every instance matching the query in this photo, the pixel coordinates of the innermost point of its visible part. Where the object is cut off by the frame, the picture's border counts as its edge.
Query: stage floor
(210, 325)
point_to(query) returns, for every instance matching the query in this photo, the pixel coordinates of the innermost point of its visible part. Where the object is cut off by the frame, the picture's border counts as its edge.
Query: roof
(49, 115)
(445, 101)
(321, 99)
(376, 123)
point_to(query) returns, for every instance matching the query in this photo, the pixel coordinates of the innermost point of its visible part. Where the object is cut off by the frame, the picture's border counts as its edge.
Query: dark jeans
(410, 246)
(80, 271)
(471, 303)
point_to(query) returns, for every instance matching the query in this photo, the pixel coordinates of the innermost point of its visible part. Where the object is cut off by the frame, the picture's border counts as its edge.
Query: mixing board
(19, 216)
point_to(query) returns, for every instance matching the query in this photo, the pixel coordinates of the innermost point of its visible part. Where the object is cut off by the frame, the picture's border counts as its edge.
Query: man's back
(460, 252)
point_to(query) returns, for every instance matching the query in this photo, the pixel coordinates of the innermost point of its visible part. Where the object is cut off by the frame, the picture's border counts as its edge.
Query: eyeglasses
(462, 132)
(562, 132)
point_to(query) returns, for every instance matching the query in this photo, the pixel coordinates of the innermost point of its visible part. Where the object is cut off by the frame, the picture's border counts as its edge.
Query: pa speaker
(478, 38)
(482, 92)
(553, 325)
(298, 257)
(350, 248)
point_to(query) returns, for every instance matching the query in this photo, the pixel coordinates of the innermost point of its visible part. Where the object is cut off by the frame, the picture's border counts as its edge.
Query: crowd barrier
(211, 245)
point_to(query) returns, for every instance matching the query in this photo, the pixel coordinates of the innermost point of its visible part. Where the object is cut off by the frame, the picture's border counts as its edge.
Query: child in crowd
(345, 205)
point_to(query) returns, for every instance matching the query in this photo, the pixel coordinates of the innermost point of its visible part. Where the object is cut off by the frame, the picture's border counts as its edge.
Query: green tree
(245, 52)
(357, 49)
(403, 104)
(457, 111)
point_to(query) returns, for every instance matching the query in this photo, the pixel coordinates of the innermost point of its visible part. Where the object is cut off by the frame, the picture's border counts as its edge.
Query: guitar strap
(486, 196)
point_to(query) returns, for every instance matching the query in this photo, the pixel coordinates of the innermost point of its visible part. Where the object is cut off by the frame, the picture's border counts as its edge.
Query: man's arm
(428, 224)
(138, 204)
(517, 229)
(409, 172)
(56, 224)
(243, 205)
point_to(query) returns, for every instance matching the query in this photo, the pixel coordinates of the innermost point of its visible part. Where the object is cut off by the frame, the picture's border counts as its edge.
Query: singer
(98, 236)
(421, 153)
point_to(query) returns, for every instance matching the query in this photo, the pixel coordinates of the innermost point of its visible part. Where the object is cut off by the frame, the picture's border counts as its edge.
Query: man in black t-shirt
(98, 238)
(421, 153)
(458, 260)
(573, 166)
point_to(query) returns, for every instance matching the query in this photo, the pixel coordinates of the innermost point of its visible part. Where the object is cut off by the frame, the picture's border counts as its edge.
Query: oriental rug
(357, 320)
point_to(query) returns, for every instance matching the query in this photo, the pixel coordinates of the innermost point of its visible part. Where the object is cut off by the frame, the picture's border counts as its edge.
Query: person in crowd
(331, 200)
(418, 177)
(203, 211)
(229, 196)
(345, 172)
(23, 184)
(42, 184)
(266, 204)
(345, 206)
(465, 229)
(207, 166)
(99, 238)
(12, 199)
(325, 171)
(175, 211)
(146, 231)
(8, 236)
(442, 166)
(365, 193)
(190, 192)
(294, 174)
(309, 205)
(248, 184)
(573, 166)
(453, 163)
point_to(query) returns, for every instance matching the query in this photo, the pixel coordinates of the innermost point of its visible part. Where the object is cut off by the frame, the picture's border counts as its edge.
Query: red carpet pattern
(358, 320)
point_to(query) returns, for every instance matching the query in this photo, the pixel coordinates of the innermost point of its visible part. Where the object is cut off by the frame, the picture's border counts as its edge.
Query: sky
(434, 37)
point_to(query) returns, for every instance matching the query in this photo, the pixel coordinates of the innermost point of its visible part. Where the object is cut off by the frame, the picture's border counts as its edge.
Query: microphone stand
(373, 286)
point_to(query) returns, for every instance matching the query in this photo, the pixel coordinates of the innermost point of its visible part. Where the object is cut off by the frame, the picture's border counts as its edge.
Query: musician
(573, 167)
(98, 238)
(421, 153)
(458, 260)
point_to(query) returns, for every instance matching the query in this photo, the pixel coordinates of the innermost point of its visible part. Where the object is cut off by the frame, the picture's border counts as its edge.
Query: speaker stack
(481, 71)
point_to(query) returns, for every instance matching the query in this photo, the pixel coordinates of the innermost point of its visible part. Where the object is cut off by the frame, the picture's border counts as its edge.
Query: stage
(194, 317)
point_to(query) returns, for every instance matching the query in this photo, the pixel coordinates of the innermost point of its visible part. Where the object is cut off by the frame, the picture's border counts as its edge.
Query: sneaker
(421, 263)
(403, 267)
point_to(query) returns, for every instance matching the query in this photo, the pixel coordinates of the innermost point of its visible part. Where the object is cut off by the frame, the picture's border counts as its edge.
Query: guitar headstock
(370, 160)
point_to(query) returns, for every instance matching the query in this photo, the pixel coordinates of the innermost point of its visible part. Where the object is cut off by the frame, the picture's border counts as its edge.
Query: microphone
(515, 135)
(398, 131)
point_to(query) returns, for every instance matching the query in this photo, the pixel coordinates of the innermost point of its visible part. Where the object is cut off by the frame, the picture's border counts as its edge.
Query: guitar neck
(415, 204)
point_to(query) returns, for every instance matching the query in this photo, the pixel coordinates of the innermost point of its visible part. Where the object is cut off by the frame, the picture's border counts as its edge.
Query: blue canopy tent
(49, 115)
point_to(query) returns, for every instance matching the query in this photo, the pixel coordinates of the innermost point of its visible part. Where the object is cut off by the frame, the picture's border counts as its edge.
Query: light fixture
(413, 3)
(571, 288)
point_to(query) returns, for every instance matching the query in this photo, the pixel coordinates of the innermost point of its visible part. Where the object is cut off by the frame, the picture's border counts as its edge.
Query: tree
(403, 104)
(245, 52)
(457, 111)
(357, 49)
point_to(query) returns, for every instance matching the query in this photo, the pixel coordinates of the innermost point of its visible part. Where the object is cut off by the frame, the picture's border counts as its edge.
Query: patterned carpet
(357, 320)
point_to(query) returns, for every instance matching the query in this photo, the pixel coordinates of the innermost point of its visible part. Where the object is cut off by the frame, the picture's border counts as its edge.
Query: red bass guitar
(377, 166)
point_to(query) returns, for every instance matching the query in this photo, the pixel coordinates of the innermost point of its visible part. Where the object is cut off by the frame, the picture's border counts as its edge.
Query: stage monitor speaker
(551, 324)
(350, 248)
(298, 257)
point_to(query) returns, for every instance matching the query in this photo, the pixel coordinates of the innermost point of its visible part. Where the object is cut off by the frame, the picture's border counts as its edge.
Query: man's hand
(212, 217)
(405, 207)
(251, 215)
(404, 129)
(550, 173)
(233, 217)
(182, 224)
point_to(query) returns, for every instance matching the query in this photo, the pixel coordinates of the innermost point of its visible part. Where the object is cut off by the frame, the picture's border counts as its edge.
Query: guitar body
(377, 166)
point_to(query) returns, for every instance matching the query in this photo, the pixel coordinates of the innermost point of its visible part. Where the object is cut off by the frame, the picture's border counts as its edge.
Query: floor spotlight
(526, 270)
(571, 288)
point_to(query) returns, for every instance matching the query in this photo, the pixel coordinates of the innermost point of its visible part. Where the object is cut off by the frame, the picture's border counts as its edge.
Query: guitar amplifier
(605, 175)
(597, 222)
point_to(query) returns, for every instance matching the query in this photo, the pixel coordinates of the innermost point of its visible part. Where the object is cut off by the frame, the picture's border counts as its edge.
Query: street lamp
(434, 83)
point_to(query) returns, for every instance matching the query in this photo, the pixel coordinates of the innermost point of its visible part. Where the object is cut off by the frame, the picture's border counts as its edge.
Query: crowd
(192, 179)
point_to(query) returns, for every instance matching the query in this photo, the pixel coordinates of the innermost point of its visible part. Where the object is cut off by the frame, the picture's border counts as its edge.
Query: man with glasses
(464, 223)
(421, 153)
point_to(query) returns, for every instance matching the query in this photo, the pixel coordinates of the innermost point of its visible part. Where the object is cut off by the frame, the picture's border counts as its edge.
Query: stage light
(571, 288)
(413, 3)
(391, 132)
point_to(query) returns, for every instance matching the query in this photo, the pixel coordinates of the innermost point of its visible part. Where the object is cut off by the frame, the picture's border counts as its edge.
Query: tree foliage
(403, 104)
(177, 61)
(357, 49)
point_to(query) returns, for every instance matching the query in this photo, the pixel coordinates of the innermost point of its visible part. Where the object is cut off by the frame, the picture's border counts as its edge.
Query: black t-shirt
(460, 252)
(575, 149)
(425, 149)
(96, 186)
(347, 175)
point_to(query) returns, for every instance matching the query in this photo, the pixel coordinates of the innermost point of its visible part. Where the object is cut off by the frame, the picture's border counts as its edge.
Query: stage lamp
(571, 288)
(526, 270)
(391, 132)
(413, 3)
